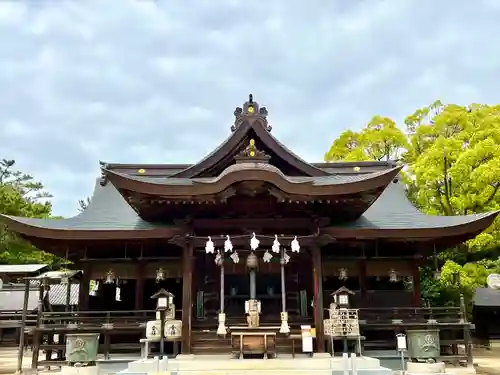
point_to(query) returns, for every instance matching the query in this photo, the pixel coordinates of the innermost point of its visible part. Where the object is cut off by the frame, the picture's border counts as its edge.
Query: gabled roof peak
(250, 110)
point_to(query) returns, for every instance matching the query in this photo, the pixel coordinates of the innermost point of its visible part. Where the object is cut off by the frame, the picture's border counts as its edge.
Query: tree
(454, 162)
(21, 195)
(452, 158)
(380, 140)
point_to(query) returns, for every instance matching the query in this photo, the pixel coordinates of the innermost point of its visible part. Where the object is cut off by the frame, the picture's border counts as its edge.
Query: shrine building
(251, 221)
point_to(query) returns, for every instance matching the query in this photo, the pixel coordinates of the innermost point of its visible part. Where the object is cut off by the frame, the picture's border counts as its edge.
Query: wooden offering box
(253, 341)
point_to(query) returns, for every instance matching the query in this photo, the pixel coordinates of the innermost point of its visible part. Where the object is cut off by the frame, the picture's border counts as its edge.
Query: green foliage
(452, 158)
(454, 163)
(21, 195)
(380, 140)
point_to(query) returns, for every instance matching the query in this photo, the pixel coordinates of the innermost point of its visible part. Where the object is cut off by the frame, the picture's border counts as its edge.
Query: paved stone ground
(8, 360)
(486, 361)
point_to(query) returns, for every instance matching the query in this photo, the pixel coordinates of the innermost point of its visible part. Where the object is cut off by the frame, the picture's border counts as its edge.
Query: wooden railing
(97, 319)
(12, 318)
(112, 323)
(411, 315)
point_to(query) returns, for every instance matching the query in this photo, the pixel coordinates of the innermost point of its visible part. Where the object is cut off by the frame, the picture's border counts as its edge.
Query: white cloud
(157, 81)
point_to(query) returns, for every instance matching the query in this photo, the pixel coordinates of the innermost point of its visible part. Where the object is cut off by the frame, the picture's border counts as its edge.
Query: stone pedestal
(421, 368)
(79, 370)
(221, 328)
(147, 366)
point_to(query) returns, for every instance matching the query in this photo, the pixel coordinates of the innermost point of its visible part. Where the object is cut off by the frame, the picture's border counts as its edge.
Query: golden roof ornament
(250, 109)
(251, 154)
(251, 148)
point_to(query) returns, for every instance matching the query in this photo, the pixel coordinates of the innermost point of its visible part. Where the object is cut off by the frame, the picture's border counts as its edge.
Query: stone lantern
(341, 298)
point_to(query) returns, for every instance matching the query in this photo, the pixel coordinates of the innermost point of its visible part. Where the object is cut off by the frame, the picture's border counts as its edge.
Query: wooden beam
(244, 240)
(416, 283)
(129, 260)
(333, 258)
(139, 286)
(362, 281)
(187, 298)
(318, 299)
(83, 293)
(285, 224)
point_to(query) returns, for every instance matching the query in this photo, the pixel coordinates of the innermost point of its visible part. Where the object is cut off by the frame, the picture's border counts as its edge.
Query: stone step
(211, 351)
(320, 364)
(260, 372)
(286, 363)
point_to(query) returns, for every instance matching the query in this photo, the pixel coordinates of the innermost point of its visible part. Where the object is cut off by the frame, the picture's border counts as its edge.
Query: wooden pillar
(37, 337)
(362, 282)
(67, 308)
(187, 298)
(84, 288)
(20, 352)
(139, 285)
(318, 298)
(416, 283)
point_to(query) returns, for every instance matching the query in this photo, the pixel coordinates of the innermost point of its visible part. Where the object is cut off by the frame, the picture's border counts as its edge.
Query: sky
(157, 81)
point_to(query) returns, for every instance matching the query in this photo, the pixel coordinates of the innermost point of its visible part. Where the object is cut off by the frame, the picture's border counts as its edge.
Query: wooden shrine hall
(250, 221)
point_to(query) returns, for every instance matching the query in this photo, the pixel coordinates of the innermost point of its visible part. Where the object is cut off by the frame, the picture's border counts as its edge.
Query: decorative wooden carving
(251, 154)
(250, 109)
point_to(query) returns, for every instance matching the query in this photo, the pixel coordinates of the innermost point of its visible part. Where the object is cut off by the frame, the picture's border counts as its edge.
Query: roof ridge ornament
(103, 179)
(250, 109)
(251, 154)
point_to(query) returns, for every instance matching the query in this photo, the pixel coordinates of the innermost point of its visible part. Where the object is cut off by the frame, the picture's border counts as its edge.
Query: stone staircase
(208, 342)
(321, 364)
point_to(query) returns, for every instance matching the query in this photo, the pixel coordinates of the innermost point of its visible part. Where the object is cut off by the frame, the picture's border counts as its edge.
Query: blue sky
(157, 81)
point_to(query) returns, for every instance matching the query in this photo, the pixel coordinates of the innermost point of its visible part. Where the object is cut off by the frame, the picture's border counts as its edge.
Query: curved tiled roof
(109, 216)
(108, 213)
(234, 141)
(393, 214)
(313, 186)
(393, 210)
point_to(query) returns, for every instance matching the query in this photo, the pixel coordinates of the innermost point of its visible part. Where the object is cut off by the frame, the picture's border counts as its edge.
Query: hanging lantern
(110, 277)
(393, 276)
(254, 242)
(218, 258)
(160, 275)
(276, 245)
(93, 288)
(209, 246)
(252, 261)
(235, 257)
(228, 246)
(408, 282)
(295, 245)
(343, 274)
(64, 280)
(267, 257)
(286, 258)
